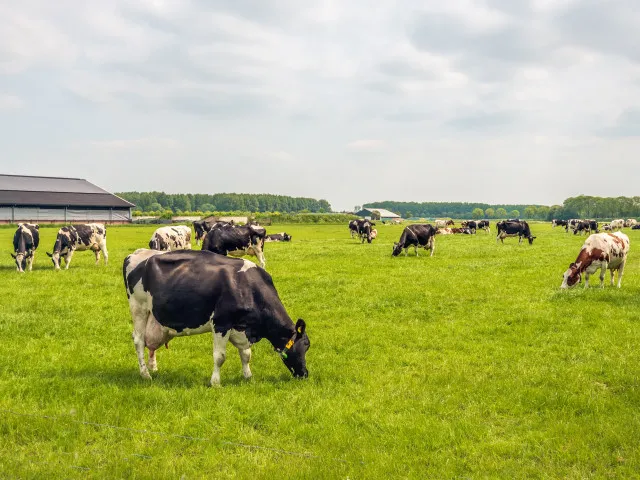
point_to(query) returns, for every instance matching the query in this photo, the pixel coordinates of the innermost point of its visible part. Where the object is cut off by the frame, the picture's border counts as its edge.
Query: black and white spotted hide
(25, 242)
(89, 236)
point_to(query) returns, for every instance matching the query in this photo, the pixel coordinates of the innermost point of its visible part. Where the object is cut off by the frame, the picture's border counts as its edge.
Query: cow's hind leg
(620, 273)
(240, 341)
(103, 247)
(30, 261)
(219, 355)
(139, 315)
(603, 273)
(97, 252)
(432, 245)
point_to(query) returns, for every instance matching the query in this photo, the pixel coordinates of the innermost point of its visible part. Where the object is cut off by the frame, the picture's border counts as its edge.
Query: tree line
(226, 202)
(582, 206)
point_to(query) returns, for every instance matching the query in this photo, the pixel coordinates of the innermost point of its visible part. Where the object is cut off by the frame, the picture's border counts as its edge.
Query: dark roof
(55, 191)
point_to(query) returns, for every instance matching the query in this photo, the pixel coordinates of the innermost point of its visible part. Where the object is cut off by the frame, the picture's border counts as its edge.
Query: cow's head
(287, 238)
(571, 277)
(21, 261)
(531, 238)
(397, 248)
(293, 355)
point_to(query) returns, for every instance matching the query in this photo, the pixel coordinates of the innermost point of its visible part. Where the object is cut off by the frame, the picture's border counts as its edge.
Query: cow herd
(71, 238)
(175, 291)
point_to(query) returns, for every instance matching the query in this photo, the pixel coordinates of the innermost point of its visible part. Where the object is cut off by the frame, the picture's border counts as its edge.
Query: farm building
(378, 214)
(58, 200)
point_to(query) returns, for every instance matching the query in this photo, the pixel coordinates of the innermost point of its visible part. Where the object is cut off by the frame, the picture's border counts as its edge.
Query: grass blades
(468, 364)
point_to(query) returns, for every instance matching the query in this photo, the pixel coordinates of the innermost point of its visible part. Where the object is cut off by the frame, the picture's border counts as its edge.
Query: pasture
(468, 364)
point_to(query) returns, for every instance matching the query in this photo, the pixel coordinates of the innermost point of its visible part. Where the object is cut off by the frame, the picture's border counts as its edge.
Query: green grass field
(469, 364)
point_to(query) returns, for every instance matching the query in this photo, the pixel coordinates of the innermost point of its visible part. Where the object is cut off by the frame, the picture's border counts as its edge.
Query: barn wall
(58, 215)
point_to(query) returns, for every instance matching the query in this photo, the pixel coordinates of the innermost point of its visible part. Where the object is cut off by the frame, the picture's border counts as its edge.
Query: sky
(496, 101)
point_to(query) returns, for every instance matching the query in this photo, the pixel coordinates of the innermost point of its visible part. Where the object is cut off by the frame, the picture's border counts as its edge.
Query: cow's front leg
(241, 342)
(30, 261)
(97, 253)
(67, 259)
(586, 280)
(432, 245)
(260, 255)
(603, 272)
(415, 247)
(219, 355)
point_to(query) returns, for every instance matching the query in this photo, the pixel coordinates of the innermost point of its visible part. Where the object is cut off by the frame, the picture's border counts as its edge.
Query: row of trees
(462, 210)
(584, 206)
(189, 202)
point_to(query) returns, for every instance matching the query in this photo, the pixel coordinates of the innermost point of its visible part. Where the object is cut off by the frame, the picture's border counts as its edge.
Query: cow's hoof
(146, 375)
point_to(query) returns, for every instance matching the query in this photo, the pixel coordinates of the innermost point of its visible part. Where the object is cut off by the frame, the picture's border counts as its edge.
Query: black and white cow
(586, 226)
(202, 227)
(188, 292)
(423, 236)
(572, 224)
(558, 223)
(90, 236)
(514, 229)
(353, 228)
(365, 227)
(278, 237)
(484, 225)
(176, 237)
(237, 241)
(25, 242)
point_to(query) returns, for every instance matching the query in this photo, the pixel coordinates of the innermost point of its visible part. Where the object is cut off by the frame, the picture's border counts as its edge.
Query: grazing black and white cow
(182, 293)
(604, 251)
(237, 241)
(278, 237)
(201, 227)
(423, 236)
(586, 226)
(353, 228)
(572, 224)
(484, 225)
(518, 229)
(89, 236)
(636, 227)
(176, 237)
(365, 227)
(471, 225)
(25, 242)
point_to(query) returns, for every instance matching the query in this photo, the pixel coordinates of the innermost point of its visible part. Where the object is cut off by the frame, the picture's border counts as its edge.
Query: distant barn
(378, 214)
(58, 200)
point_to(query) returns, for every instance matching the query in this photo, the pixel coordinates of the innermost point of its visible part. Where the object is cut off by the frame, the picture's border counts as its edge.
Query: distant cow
(415, 236)
(374, 234)
(514, 229)
(558, 223)
(182, 293)
(484, 225)
(364, 230)
(463, 231)
(202, 227)
(25, 242)
(450, 222)
(470, 224)
(630, 222)
(572, 224)
(278, 237)
(586, 226)
(237, 241)
(353, 228)
(444, 231)
(90, 236)
(606, 227)
(441, 224)
(636, 227)
(617, 224)
(604, 251)
(176, 237)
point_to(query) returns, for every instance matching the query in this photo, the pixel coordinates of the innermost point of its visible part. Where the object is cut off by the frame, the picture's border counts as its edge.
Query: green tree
(477, 213)
(489, 212)
(515, 213)
(530, 212)
(155, 206)
(501, 213)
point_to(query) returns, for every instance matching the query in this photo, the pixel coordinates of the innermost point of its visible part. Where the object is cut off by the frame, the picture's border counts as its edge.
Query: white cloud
(455, 88)
(10, 102)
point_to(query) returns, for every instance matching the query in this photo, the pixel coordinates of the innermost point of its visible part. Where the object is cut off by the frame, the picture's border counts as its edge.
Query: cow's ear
(48, 254)
(12, 255)
(301, 326)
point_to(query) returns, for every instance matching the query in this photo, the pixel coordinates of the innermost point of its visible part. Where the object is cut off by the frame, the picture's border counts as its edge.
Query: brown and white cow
(604, 251)
(89, 236)
(176, 237)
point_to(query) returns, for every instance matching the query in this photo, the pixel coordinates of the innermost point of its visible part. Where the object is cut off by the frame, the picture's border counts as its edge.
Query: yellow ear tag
(299, 329)
(289, 344)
